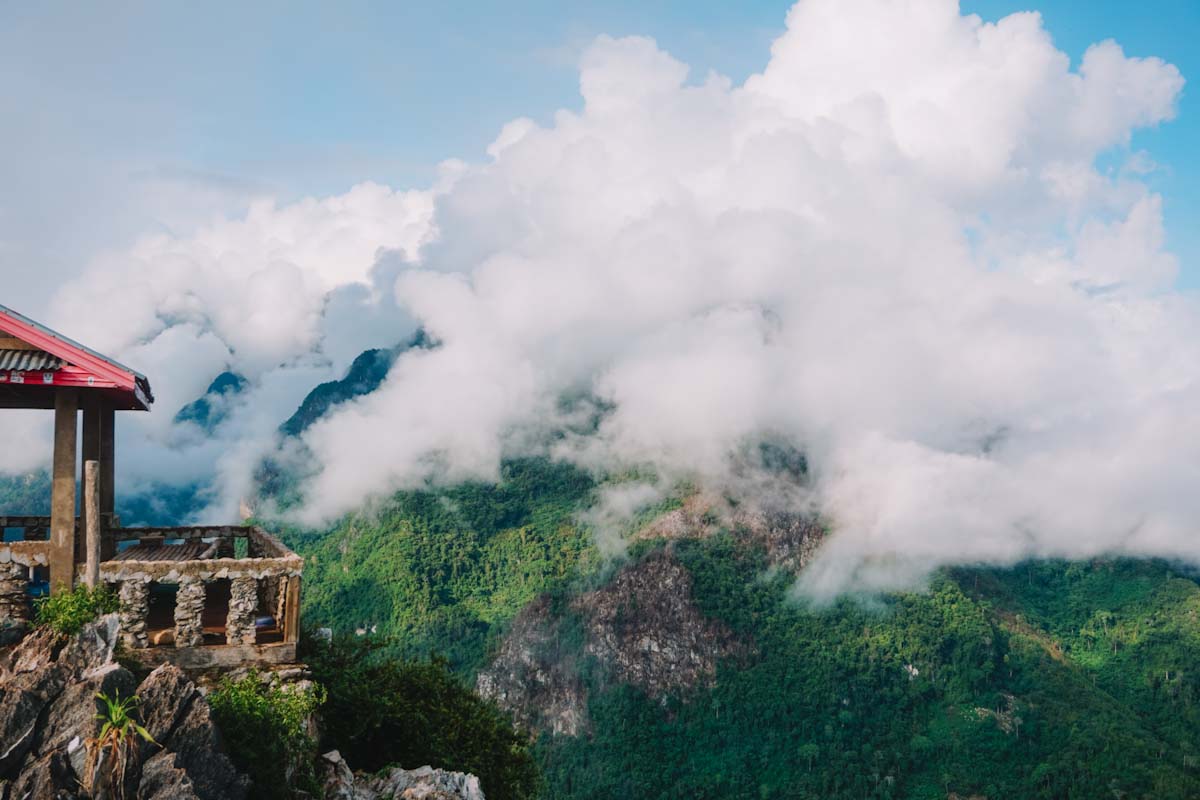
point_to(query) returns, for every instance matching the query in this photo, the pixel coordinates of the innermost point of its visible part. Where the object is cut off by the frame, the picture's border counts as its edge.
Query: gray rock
(48, 709)
(162, 780)
(73, 713)
(424, 783)
(198, 751)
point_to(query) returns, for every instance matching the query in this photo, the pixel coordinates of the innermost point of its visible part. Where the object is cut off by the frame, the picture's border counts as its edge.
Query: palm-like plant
(119, 733)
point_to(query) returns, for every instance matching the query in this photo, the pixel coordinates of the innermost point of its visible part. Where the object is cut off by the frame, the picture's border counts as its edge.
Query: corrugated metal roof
(31, 360)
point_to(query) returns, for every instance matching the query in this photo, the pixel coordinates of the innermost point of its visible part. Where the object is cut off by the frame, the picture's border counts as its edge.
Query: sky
(128, 118)
(948, 257)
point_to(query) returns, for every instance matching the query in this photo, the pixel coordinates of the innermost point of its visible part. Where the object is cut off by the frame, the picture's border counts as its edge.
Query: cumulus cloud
(891, 248)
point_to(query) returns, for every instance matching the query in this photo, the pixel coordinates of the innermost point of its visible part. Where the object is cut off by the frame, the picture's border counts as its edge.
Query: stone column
(189, 608)
(135, 605)
(14, 604)
(243, 601)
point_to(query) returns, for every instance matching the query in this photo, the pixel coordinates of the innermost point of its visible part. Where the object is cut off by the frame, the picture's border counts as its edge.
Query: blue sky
(133, 117)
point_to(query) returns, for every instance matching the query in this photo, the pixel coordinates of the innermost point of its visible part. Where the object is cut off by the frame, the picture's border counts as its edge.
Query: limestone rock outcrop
(48, 709)
(425, 783)
(642, 628)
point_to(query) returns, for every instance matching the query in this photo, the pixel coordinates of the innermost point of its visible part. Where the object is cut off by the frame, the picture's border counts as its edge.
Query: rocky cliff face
(642, 629)
(790, 538)
(425, 783)
(48, 709)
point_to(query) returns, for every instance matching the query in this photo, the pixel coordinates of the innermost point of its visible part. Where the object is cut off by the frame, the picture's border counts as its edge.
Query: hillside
(688, 669)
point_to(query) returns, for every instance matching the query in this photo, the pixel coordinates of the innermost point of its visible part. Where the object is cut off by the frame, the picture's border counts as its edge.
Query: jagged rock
(194, 740)
(791, 538)
(644, 626)
(424, 783)
(73, 713)
(48, 709)
(49, 778)
(534, 677)
(162, 780)
(642, 629)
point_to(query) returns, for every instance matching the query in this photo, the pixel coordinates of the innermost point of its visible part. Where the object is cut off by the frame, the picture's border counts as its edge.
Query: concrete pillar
(14, 603)
(91, 516)
(243, 602)
(189, 611)
(107, 423)
(135, 605)
(62, 495)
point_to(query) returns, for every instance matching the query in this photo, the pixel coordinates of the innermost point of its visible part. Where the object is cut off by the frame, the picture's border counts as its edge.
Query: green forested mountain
(1050, 679)
(1044, 680)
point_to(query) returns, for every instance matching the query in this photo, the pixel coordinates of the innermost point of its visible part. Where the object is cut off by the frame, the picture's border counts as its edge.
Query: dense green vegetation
(439, 571)
(266, 729)
(916, 695)
(1047, 680)
(381, 711)
(28, 493)
(67, 612)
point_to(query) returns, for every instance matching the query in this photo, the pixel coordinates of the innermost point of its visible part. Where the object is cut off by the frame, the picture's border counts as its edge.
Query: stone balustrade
(266, 578)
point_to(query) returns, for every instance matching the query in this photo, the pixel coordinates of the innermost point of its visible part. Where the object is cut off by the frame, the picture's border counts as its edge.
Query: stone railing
(267, 576)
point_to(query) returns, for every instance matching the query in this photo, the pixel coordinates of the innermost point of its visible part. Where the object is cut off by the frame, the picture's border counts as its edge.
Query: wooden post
(91, 507)
(62, 492)
(90, 447)
(291, 611)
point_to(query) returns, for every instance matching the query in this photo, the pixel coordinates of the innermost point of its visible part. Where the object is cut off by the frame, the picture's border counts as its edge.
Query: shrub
(383, 712)
(68, 612)
(266, 727)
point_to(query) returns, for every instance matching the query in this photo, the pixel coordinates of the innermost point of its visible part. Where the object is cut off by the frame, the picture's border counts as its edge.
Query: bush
(383, 712)
(266, 727)
(68, 612)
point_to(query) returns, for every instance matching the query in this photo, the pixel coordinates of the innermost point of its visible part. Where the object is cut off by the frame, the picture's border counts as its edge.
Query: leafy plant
(118, 736)
(266, 726)
(67, 612)
(383, 712)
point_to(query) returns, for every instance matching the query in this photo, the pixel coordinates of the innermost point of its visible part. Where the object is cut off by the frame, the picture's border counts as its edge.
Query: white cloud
(890, 247)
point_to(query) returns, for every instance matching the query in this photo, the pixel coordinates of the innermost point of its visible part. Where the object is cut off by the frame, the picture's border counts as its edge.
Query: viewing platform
(198, 596)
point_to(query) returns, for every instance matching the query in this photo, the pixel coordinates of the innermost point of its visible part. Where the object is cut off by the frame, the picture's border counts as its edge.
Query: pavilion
(225, 594)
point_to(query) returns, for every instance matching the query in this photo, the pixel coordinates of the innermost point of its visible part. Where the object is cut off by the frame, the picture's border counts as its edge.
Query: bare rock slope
(48, 708)
(642, 628)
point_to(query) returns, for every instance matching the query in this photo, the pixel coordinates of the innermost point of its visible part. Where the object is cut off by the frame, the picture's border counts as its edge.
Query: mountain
(210, 410)
(365, 375)
(688, 667)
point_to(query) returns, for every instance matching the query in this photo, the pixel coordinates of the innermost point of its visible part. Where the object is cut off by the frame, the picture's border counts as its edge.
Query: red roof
(42, 360)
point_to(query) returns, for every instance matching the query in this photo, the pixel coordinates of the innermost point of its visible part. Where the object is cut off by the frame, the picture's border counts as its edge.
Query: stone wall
(14, 603)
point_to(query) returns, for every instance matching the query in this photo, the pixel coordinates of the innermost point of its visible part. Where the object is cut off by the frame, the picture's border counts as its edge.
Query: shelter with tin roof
(197, 596)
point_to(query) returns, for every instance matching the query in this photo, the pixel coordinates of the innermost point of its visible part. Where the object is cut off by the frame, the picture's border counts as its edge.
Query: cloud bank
(892, 248)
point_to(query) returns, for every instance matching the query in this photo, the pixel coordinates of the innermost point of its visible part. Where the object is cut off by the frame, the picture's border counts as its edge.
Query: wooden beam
(91, 505)
(62, 492)
(13, 343)
(291, 611)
